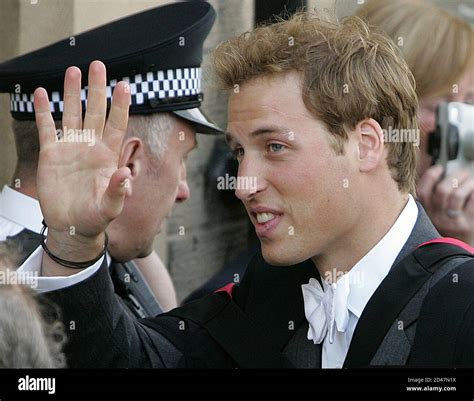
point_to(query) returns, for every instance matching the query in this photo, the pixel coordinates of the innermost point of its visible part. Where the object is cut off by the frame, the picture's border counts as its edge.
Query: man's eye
(276, 147)
(237, 153)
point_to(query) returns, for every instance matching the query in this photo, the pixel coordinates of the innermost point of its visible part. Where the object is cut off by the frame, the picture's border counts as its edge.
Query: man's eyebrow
(261, 131)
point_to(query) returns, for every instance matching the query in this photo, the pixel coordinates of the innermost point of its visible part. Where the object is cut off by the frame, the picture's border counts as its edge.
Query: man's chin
(279, 256)
(144, 254)
(123, 255)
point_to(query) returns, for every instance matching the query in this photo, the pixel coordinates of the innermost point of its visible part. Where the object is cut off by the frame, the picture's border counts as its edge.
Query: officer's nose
(183, 189)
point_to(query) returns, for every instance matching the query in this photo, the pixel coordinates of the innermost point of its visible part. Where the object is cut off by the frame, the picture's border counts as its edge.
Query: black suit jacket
(105, 336)
(129, 283)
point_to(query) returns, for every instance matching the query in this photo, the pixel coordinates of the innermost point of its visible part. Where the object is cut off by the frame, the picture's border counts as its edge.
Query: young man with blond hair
(340, 281)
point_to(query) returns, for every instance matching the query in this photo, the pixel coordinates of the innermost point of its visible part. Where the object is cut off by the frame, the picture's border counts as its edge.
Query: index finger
(43, 117)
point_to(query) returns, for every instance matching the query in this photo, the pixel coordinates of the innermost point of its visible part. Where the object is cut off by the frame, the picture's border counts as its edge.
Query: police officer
(159, 53)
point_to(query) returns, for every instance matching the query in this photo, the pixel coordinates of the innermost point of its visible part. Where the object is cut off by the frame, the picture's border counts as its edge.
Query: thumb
(113, 198)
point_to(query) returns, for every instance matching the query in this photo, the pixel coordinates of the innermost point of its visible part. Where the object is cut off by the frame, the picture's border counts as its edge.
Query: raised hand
(80, 188)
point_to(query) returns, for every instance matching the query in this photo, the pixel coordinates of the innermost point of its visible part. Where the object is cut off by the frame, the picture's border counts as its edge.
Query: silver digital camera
(452, 143)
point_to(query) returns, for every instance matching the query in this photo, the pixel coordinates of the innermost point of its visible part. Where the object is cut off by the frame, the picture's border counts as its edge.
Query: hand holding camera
(447, 188)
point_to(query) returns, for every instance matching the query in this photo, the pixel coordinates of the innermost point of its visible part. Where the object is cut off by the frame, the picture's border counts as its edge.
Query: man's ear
(132, 155)
(371, 147)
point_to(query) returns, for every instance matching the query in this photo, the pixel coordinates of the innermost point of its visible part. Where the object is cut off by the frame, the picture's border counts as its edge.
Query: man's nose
(183, 188)
(247, 182)
(183, 191)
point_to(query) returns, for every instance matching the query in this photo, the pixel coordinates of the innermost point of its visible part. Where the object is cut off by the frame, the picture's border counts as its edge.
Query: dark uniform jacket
(129, 284)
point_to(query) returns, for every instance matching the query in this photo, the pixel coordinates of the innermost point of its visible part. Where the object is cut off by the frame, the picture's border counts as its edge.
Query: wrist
(74, 247)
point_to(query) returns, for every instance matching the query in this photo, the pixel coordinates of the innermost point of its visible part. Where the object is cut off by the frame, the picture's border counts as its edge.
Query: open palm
(79, 185)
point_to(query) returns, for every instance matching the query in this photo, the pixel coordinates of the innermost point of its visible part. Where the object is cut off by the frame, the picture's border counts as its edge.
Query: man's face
(302, 205)
(160, 184)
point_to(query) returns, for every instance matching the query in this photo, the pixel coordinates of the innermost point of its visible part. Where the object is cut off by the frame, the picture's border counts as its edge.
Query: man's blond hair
(350, 73)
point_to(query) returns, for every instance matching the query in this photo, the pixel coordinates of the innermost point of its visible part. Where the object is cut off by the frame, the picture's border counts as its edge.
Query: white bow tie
(326, 310)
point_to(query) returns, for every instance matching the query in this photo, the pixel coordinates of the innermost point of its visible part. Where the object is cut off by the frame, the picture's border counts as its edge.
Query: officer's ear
(371, 150)
(132, 155)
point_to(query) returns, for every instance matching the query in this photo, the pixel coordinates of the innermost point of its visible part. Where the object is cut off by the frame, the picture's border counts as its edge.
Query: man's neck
(373, 224)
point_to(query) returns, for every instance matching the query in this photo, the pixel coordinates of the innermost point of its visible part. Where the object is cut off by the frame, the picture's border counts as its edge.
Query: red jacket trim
(227, 288)
(450, 241)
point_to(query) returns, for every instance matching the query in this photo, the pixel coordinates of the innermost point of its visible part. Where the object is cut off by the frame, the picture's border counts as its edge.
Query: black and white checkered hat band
(164, 85)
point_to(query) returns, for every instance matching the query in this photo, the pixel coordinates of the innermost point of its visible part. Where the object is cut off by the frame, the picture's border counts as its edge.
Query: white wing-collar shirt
(334, 310)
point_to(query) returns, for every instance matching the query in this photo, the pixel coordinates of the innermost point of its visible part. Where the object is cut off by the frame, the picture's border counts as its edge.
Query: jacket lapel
(396, 346)
(301, 352)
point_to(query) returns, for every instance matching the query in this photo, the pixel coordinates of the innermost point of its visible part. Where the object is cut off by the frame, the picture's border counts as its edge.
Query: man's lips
(265, 219)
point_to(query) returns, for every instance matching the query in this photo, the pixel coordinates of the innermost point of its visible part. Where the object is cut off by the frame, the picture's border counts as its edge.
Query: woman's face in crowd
(462, 92)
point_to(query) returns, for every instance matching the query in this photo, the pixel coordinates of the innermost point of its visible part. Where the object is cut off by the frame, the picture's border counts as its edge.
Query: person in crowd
(31, 334)
(439, 50)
